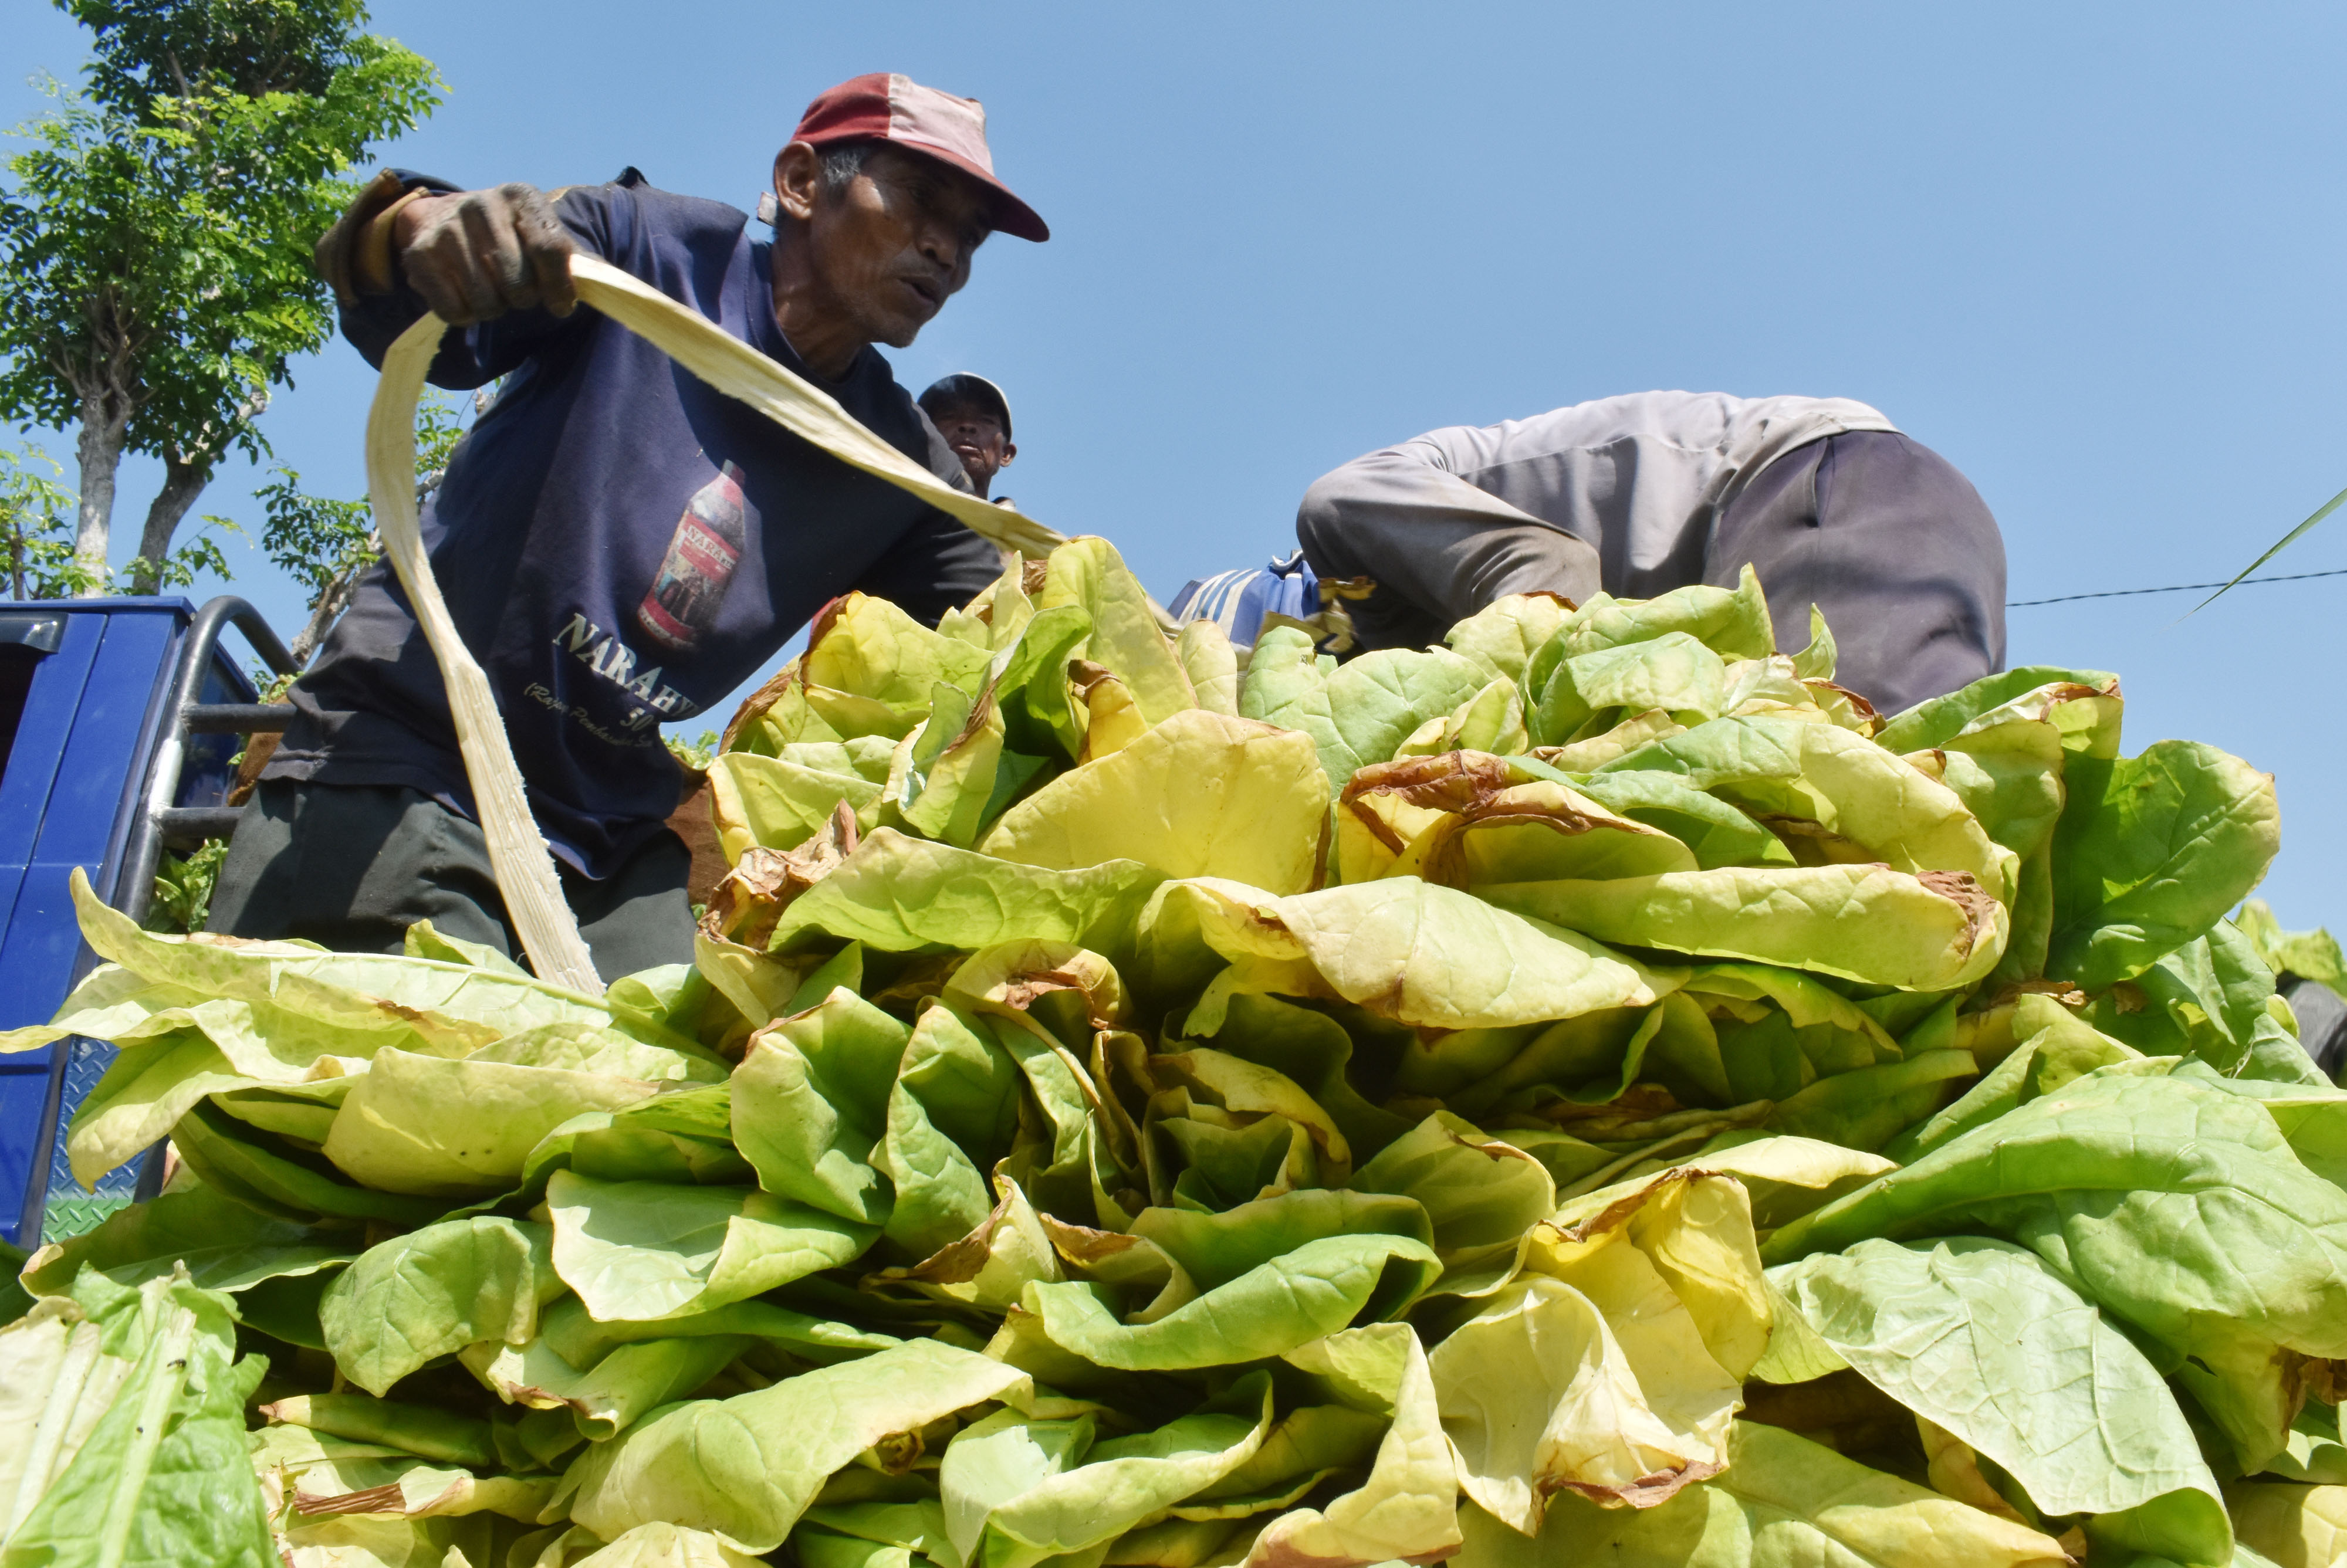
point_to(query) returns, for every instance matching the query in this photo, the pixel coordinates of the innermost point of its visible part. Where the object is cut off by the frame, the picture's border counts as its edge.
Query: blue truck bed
(82, 693)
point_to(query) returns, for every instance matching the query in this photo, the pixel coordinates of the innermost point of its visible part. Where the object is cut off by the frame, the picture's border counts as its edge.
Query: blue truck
(120, 719)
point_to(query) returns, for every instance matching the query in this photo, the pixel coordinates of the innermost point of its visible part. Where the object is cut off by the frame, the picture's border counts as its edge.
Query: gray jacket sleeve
(1438, 548)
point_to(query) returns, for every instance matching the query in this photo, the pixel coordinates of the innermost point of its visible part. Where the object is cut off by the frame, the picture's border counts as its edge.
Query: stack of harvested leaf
(1595, 1092)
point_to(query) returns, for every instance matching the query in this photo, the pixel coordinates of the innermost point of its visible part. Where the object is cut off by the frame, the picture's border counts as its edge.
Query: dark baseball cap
(961, 386)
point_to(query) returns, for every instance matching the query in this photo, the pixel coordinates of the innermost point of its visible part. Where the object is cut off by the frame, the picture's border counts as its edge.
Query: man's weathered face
(896, 243)
(977, 438)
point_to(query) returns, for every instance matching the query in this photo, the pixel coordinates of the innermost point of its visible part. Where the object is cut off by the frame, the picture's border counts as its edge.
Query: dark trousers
(352, 866)
(1895, 546)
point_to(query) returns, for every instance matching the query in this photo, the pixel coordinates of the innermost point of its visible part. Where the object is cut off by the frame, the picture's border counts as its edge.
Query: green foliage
(183, 887)
(696, 753)
(316, 540)
(2310, 955)
(156, 229)
(37, 529)
(326, 544)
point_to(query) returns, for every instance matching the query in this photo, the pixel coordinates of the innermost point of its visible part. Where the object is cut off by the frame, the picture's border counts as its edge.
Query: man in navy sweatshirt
(618, 544)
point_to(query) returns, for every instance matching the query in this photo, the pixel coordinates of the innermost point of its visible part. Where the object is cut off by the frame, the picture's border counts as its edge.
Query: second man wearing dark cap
(974, 418)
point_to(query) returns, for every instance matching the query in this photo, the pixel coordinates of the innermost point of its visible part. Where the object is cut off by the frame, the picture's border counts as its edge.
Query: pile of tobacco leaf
(1593, 1093)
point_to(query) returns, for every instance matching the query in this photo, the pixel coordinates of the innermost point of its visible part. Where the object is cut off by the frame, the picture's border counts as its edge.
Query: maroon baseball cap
(885, 107)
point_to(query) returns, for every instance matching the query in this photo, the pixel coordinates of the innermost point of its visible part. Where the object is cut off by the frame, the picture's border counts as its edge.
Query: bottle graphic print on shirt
(701, 556)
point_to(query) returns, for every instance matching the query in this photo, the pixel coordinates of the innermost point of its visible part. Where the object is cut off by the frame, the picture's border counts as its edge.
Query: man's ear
(798, 176)
(1009, 452)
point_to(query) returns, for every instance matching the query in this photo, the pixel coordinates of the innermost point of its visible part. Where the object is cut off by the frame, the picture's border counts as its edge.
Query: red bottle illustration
(701, 556)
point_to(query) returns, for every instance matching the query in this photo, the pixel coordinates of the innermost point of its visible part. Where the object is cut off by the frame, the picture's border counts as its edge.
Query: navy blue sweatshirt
(618, 544)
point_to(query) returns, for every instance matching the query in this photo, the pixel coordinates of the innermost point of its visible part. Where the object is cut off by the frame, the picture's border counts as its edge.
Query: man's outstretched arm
(411, 243)
(1438, 548)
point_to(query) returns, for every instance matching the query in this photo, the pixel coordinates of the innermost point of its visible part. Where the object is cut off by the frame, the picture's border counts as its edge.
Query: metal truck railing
(118, 726)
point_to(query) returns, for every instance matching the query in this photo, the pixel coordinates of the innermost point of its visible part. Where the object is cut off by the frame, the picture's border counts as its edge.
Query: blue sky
(2091, 254)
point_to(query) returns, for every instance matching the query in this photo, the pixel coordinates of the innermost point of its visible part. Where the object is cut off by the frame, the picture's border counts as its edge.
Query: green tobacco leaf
(1362, 713)
(1936, 720)
(780, 802)
(1491, 721)
(1715, 832)
(744, 1469)
(579, 1339)
(811, 1100)
(267, 1174)
(950, 775)
(462, 1129)
(1198, 795)
(1547, 1389)
(899, 894)
(1213, 1249)
(1416, 953)
(997, 1460)
(1088, 573)
(1312, 1050)
(664, 1545)
(1506, 635)
(1303, 1448)
(1479, 1195)
(2177, 1208)
(952, 1112)
(1537, 832)
(1377, 701)
(161, 1476)
(646, 1250)
(1872, 805)
(2151, 852)
(258, 1037)
(432, 1292)
(225, 1247)
(1732, 622)
(1408, 1508)
(419, 1430)
(1207, 658)
(1816, 662)
(681, 1137)
(2310, 955)
(2211, 999)
(2289, 1526)
(142, 1096)
(608, 1396)
(462, 1005)
(2057, 1048)
(1864, 923)
(1318, 1290)
(1867, 1108)
(869, 648)
(1983, 1338)
(1120, 1482)
(1032, 689)
(1284, 686)
(1674, 673)
(1782, 1500)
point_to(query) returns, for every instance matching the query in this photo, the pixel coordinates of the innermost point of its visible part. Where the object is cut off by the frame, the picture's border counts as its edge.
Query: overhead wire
(2173, 587)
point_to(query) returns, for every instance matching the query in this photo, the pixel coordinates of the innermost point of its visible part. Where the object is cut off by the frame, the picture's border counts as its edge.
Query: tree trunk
(331, 602)
(104, 422)
(183, 481)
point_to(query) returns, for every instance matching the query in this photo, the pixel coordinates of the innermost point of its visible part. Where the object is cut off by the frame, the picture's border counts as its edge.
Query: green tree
(325, 544)
(156, 234)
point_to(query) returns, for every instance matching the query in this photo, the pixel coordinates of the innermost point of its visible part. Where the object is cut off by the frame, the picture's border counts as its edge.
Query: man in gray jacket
(1638, 494)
